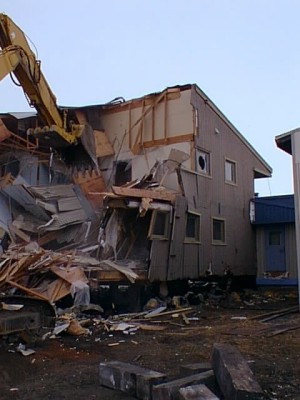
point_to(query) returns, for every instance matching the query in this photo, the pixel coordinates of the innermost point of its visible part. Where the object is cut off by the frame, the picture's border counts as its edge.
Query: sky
(242, 53)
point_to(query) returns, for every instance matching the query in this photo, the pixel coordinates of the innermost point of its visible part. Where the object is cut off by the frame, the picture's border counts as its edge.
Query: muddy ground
(66, 367)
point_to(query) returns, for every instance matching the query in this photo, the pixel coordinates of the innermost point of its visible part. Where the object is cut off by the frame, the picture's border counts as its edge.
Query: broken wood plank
(180, 310)
(140, 193)
(288, 309)
(20, 233)
(169, 390)
(26, 290)
(279, 331)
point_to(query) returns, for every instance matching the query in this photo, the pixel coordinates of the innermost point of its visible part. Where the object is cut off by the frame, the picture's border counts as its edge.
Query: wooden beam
(170, 140)
(20, 233)
(27, 290)
(152, 194)
(136, 146)
(172, 94)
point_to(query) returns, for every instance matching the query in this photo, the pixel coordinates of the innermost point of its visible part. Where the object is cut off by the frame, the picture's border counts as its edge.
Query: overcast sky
(244, 54)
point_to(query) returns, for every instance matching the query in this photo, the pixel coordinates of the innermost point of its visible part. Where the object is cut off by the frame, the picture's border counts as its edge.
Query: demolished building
(160, 187)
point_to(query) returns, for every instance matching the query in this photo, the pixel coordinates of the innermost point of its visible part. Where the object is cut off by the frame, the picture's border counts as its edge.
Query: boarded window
(123, 172)
(193, 227)
(218, 231)
(230, 171)
(203, 162)
(159, 226)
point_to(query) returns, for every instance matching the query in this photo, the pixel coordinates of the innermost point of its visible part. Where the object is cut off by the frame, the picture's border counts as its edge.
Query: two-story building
(185, 147)
(171, 177)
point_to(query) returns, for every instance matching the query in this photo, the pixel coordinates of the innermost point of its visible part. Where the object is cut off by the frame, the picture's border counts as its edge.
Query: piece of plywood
(71, 274)
(103, 145)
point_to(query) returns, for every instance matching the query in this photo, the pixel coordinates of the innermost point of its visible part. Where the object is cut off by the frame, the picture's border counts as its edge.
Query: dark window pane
(218, 230)
(191, 230)
(160, 224)
(274, 238)
(123, 172)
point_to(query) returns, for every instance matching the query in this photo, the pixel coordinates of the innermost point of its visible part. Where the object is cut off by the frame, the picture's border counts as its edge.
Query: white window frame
(232, 179)
(206, 170)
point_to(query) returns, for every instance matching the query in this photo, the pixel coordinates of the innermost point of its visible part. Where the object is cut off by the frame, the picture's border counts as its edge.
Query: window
(230, 171)
(123, 172)
(218, 229)
(193, 227)
(203, 162)
(274, 238)
(159, 225)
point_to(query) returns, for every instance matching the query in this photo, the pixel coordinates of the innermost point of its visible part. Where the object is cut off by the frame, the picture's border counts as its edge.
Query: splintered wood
(44, 275)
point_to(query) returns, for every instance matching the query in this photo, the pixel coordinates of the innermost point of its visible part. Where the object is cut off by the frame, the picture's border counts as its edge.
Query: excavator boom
(17, 57)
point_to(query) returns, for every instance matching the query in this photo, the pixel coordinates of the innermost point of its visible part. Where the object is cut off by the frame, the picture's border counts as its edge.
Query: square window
(193, 227)
(218, 231)
(159, 226)
(230, 171)
(203, 162)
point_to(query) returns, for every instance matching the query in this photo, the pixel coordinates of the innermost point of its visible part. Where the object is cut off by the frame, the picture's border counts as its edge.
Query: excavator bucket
(56, 137)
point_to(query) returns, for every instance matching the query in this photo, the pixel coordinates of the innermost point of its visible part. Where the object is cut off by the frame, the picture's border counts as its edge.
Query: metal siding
(159, 260)
(260, 251)
(175, 267)
(274, 209)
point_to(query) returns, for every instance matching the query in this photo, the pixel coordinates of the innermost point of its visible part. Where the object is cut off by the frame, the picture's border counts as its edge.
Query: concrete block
(118, 375)
(192, 369)
(196, 392)
(234, 376)
(145, 380)
(170, 390)
(128, 378)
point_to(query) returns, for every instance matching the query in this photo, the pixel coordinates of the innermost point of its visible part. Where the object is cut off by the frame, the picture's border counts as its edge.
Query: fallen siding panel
(20, 194)
(68, 204)
(53, 191)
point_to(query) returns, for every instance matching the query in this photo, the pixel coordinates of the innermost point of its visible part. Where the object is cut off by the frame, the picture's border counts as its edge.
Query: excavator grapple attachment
(54, 136)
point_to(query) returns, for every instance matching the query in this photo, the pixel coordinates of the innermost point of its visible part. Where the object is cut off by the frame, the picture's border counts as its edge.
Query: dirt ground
(66, 367)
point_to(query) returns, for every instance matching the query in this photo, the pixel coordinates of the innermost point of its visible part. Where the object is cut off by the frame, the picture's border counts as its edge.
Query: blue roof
(274, 209)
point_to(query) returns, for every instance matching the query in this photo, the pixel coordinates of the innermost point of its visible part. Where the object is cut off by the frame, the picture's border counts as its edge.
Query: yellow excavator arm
(17, 57)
